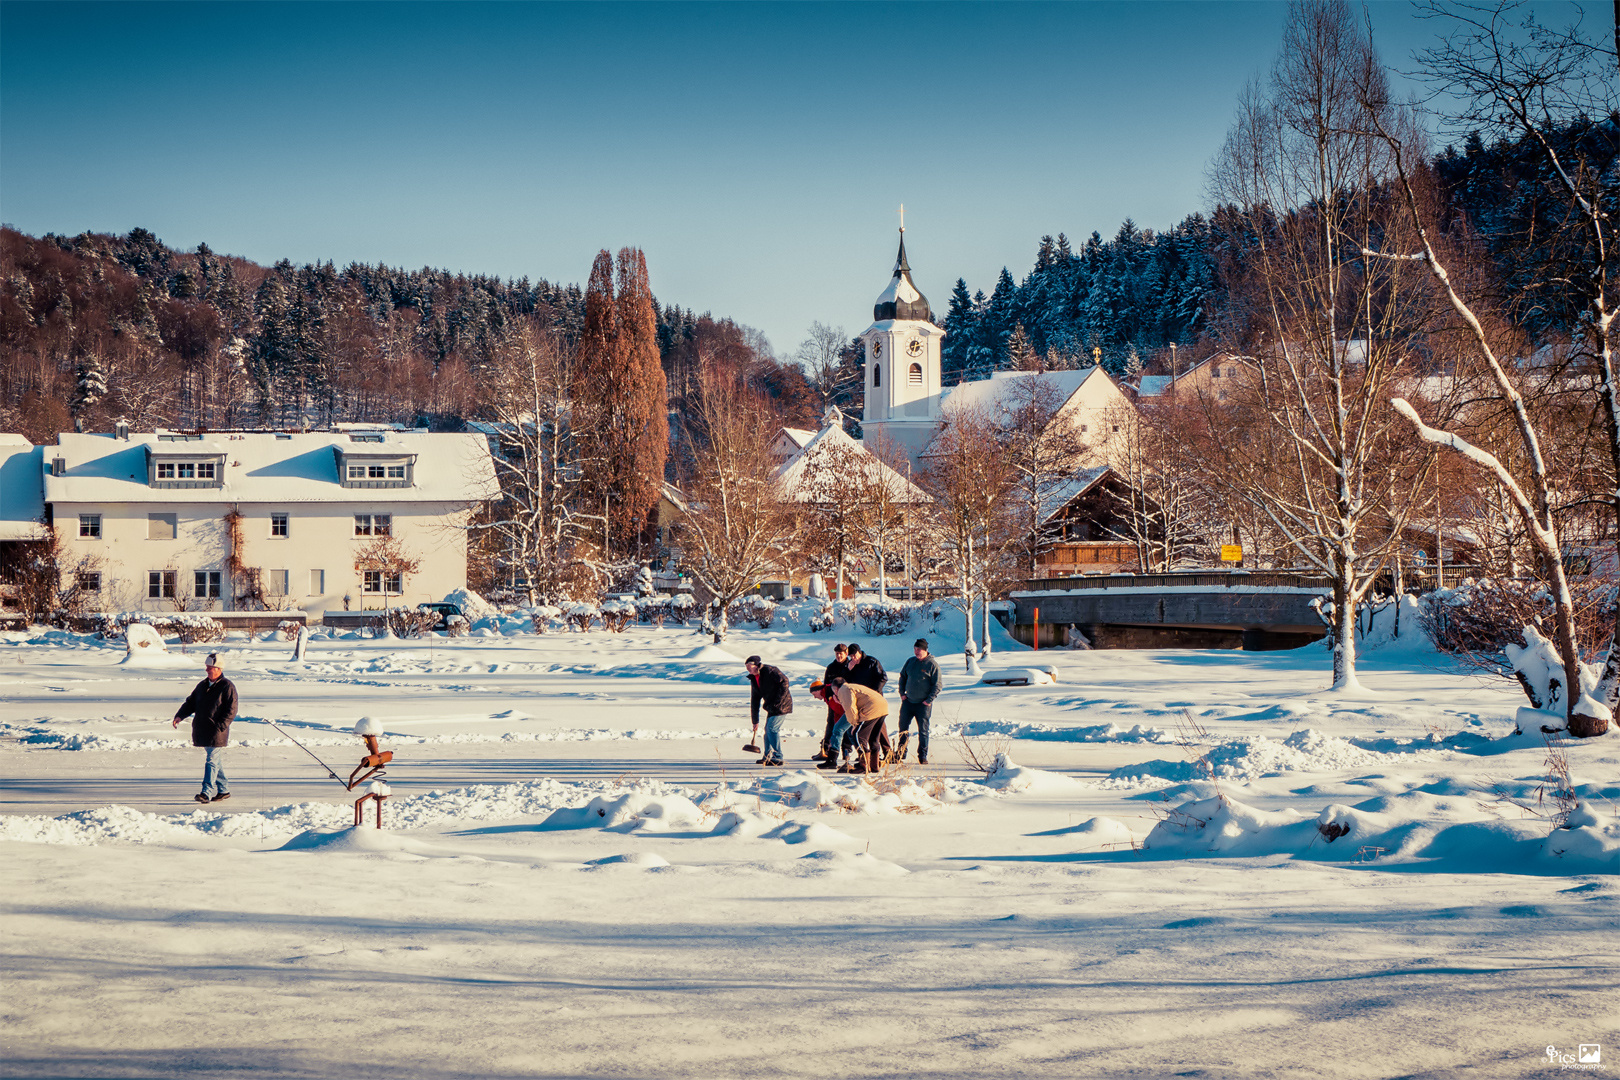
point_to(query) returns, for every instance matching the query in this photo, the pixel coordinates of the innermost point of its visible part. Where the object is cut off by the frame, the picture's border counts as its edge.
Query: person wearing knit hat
(212, 707)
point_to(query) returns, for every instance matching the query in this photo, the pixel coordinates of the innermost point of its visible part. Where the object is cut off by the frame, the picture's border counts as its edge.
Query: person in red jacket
(212, 707)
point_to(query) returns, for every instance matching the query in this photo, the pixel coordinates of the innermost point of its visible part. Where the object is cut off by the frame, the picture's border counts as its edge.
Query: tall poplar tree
(620, 416)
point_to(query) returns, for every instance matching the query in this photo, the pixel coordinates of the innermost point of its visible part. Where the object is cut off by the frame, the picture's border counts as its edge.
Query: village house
(359, 518)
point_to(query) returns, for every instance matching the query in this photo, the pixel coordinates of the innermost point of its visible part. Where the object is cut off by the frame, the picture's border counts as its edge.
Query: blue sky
(756, 151)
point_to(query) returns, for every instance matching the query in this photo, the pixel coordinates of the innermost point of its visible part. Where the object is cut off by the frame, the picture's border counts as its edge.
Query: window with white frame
(160, 584)
(89, 526)
(374, 524)
(275, 582)
(160, 526)
(317, 583)
(206, 585)
(278, 524)
(88, 580)
(165, 470)
(382, 581)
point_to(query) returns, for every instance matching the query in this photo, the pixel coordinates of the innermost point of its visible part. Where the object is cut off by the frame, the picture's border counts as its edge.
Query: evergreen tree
(960, 323)
(1021, 355)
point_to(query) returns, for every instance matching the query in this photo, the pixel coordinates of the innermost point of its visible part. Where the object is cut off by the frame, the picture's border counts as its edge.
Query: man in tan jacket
(864, 710)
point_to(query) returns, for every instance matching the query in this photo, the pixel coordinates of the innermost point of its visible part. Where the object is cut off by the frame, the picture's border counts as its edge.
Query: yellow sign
(1231, 553)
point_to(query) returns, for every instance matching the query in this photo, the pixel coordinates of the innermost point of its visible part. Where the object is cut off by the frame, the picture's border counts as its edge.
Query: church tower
(902, 367)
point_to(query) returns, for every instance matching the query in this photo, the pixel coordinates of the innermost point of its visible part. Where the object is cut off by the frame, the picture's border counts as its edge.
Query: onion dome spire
(902, 299)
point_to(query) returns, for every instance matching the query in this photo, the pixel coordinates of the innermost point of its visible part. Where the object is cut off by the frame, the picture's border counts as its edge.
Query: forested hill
(94, 327)
(1129, 297)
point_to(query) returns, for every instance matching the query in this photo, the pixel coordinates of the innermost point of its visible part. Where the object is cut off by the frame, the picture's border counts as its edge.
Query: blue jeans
(842, 740)
(214, 782)
(922, 712)
(773, 738)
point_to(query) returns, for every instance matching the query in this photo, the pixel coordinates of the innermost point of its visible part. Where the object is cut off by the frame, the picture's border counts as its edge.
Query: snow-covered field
(1182, 864)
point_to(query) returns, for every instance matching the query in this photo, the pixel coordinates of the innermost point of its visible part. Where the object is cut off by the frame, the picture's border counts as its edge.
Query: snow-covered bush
(753, 608)
(883, 619)
(823, 619)
(404, 622)
(542, 616)
(579, 616)
(190, 627)
(1477, 620)
(616, 615)
(288, 629)
(458, 626)
(682, 607)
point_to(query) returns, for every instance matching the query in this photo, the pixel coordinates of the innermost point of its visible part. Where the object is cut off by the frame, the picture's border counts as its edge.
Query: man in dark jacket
(212, 707)
(866, 670)
(838, 669)
(770, 690)
(919, 686)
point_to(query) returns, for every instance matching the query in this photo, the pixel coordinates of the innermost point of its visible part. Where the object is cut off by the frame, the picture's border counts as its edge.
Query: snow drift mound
(1007, 775)
(1457, 835)
(1248, 759)
(630, 811)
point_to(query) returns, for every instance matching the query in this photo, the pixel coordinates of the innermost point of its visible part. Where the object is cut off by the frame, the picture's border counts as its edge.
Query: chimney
(121, 430)
(58, 466)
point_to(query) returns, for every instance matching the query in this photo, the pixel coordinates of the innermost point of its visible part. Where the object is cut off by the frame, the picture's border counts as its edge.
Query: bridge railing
(1180, 579)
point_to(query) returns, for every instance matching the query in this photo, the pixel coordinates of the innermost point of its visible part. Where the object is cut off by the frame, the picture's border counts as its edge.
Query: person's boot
(828, 763)
(900, 751)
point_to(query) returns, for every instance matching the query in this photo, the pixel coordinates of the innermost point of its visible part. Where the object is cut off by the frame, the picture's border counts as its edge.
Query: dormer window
(193, 471)
(369, 469)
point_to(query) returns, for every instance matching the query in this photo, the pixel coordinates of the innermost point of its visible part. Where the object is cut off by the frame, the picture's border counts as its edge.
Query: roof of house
(1075, 486)
(799, 437)
(22, 494)
(266, 467)
(797, 475)
(1153, 385)
(1003, 390)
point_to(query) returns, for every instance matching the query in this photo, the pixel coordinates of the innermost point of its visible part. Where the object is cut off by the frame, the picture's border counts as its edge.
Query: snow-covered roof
(673, 494)
(263, 467)
(1075, 486)
(799, 437)
(1004, 391)
(22, 491)
(1153, 385)
(832, 448)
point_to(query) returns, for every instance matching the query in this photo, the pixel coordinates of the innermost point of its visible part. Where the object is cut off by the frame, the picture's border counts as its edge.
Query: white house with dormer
(360, 518)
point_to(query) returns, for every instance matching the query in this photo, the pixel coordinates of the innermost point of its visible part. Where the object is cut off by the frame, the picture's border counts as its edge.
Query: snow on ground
(1177, 863)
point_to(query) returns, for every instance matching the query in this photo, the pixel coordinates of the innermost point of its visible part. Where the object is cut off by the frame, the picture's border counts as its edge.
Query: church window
(877, 374)
(916, 375)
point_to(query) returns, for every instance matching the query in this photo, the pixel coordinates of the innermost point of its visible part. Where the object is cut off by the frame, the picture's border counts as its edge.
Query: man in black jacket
(212, 707)
(866, 670)
(771, 690)
(838, 669)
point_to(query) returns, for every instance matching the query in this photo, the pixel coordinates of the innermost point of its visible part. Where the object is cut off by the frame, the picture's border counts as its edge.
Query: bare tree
(822, 355)
(971, 480)
(1316, 459)
(734, 530)
(532, 529)
(1548, 88)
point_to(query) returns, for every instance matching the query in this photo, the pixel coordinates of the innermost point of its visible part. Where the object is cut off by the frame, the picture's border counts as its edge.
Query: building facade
(358, 519)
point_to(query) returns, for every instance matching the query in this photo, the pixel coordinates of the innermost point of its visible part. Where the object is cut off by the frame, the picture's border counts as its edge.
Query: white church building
(905, 401)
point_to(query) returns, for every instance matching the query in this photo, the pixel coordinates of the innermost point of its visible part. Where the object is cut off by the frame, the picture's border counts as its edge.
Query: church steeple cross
(902, 217)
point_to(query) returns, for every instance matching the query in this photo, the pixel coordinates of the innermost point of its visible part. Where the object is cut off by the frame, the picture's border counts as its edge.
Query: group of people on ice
(856, 738)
